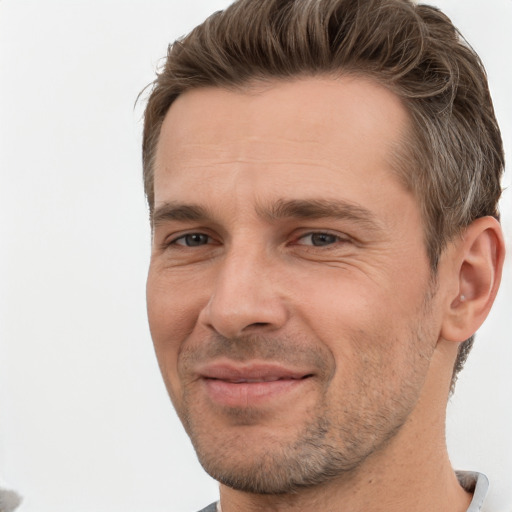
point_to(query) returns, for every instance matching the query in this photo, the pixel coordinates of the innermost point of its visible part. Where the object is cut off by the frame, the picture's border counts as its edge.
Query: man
(323, 179)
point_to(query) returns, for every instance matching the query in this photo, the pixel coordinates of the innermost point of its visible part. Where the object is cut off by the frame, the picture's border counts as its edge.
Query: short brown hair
(453, 158)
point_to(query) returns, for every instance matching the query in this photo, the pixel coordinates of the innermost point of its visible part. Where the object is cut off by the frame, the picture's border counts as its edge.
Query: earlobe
(479, 262)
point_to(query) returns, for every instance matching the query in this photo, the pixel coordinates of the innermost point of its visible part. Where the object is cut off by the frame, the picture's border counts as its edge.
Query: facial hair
(341, 429)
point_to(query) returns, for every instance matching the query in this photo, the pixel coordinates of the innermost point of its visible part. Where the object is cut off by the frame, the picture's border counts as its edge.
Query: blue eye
(193, 240)
(320, 239)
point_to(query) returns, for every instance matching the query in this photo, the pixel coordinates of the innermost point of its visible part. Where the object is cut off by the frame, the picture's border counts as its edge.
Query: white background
(85, 423)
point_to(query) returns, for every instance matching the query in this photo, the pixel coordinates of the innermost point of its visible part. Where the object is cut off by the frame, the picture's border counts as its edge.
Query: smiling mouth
(256, 381)
(250, 385)
(250, 372)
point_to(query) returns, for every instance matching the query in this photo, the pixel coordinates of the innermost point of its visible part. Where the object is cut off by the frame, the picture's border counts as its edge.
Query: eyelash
(334, 239)
(325, 234)
(176, 240)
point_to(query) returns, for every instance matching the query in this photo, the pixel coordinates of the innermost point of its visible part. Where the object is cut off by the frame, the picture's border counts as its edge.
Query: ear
(478, 265)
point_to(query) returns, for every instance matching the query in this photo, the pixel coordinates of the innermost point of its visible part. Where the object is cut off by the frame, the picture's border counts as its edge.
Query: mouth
(266, 379)
(251, 384)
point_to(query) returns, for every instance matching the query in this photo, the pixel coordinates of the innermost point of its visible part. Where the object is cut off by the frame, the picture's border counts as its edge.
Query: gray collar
(478, 484)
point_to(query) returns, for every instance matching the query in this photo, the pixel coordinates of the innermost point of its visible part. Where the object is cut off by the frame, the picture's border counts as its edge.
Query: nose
(245, 297)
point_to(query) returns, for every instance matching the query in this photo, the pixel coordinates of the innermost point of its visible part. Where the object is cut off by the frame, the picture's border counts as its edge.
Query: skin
(302, 338)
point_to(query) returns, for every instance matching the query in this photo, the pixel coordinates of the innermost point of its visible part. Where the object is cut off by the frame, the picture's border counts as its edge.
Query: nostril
(258, 324)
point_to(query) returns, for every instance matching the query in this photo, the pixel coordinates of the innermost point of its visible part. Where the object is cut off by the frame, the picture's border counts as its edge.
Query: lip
(250, 384)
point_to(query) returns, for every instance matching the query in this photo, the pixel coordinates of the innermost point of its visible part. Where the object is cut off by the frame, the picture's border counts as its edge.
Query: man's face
(289, 292)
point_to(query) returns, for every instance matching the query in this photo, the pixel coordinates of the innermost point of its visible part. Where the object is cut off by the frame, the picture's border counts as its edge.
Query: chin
(266, 464)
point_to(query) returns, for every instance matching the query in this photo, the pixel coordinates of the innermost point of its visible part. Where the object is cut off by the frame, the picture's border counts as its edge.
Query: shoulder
(210, 508)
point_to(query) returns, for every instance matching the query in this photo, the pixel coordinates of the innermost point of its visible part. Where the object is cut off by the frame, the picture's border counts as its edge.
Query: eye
(319, 239)
(192, 240)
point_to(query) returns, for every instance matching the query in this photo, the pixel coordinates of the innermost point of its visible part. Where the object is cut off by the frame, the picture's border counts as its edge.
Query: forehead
(294, 136)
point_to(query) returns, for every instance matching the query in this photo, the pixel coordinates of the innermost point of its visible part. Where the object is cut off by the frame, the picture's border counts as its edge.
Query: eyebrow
(170, 211)
(320, 209)
(281, 209)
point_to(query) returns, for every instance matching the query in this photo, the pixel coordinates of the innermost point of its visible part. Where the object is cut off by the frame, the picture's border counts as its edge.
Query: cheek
(357, 317)
(171, 319)
(173, 306)
(337, 301)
